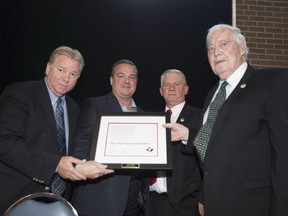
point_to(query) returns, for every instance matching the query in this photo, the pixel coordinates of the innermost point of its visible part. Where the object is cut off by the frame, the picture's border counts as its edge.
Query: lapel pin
(243, 85)
(182, 120)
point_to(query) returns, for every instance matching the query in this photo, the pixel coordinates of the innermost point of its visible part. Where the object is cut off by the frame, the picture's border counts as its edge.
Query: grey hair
(169, 71)
(238, 37)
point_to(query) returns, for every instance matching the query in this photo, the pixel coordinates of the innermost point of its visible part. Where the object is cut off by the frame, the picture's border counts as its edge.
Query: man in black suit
(114, 195)
(246, 158)
(28, 136)
(176, 193)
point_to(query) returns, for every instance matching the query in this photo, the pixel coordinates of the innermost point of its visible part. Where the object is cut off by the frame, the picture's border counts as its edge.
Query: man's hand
(93, 169)
(67, 170)
(178, 131)
(201, 209)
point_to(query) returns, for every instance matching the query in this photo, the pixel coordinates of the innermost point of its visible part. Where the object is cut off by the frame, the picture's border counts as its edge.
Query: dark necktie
(169, 112)
(61, 144)
(58, 184)
(203, 136)
(153, 180)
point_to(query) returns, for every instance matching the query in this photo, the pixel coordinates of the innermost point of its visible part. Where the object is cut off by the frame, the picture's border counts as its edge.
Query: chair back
(41, 204)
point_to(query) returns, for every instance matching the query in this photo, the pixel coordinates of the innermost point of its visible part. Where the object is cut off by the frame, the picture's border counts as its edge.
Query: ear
(111, 80)
(48, 68)
(242, 49)
(161, 91)
(186, 89)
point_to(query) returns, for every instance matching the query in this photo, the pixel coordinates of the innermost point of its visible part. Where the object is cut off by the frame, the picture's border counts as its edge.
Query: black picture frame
(160, 159)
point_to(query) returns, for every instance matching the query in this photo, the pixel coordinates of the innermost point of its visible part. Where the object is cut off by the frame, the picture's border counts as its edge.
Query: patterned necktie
(61, 144)
(153, 180)
(203, 136)
(58, 184)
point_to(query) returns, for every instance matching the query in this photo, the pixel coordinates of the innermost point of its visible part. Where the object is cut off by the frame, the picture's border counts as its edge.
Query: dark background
(155, 34)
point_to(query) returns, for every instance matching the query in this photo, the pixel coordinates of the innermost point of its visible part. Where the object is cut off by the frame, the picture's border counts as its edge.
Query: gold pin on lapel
(182, 120)
(243, 85)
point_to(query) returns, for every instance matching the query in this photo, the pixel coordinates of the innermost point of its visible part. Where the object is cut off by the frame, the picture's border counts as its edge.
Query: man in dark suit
(114, 195)
(245, 161)
(28, 136)
(176, 193)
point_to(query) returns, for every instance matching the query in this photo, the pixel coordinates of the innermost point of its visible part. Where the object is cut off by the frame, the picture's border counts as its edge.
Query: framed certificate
(132, 140)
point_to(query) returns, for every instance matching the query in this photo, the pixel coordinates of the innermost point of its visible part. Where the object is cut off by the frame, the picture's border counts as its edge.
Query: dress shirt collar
(132, 108)
(53, 97)
(232, 81)
(235, 77)
(176, 110)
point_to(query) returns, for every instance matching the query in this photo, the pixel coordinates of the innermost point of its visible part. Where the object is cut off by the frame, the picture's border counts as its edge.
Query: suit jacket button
(205, 173)
(47, 188)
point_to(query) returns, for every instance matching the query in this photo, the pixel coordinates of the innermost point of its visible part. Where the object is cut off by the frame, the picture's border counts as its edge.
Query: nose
(127, 80)
(171, 87)
(66, 77)
(217, 51)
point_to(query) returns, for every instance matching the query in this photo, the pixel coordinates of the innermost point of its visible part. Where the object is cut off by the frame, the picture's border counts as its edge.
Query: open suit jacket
(105, 196)
(245, 168)
(28, 140)
(183, 184)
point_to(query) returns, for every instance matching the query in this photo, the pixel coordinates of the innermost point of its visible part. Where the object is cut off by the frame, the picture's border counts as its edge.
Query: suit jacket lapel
(237, 92)
(113, 102)
(45, 102)
(183, 114)
(72, 121)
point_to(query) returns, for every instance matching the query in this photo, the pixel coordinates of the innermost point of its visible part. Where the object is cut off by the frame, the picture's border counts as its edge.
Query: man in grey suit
(29, 156)
(119, 194)
(176, 193)
(245, 164)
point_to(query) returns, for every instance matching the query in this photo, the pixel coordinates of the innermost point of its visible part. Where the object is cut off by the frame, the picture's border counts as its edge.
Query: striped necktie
(58, 184)
(61, 144)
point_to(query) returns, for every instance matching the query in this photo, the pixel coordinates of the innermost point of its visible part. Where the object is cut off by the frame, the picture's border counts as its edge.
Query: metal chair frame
(41, 201)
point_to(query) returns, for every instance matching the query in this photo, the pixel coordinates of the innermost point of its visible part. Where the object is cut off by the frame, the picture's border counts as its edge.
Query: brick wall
(265, 26)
